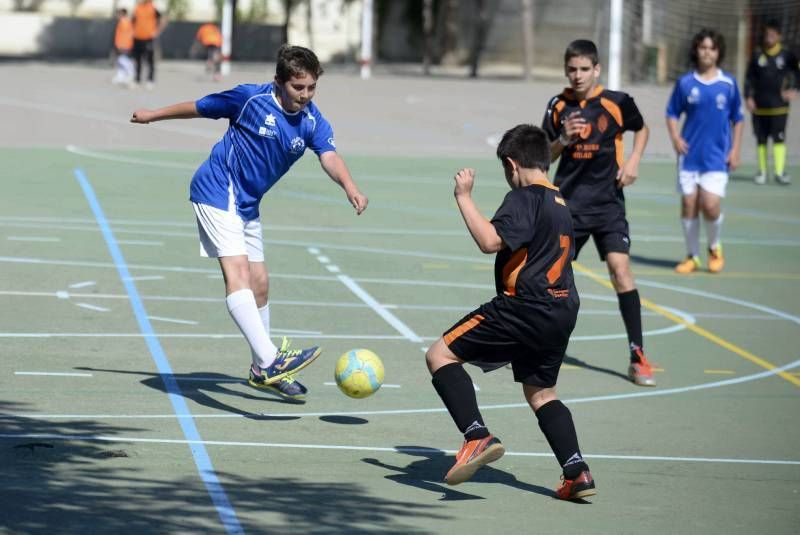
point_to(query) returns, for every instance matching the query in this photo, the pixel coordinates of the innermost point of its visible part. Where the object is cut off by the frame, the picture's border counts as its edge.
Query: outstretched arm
(483, 232)
(630, 170)
(333, 164)
(183, 110)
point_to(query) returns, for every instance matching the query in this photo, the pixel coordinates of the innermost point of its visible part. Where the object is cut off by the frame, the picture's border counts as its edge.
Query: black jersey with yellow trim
(769, 73)
(536, 262)
(587, 169)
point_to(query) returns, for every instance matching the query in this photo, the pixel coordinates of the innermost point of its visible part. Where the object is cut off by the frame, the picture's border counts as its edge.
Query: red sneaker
(575, 489)
(472, 455)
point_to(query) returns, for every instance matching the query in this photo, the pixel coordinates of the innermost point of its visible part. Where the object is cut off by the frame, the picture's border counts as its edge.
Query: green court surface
(97, 435)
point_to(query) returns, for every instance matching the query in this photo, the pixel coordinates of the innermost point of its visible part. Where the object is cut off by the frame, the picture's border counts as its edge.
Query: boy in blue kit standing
(270, 127)
(528, 322)
(706, 149)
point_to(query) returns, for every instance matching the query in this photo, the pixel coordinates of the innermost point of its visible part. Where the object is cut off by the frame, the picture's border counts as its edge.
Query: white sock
(691, 233)
(243, 309)
(264, 313)
(713, 230)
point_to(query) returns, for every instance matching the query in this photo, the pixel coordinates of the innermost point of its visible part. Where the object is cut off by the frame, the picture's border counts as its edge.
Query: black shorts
(610, 233)
(532, 337)
(770, 126)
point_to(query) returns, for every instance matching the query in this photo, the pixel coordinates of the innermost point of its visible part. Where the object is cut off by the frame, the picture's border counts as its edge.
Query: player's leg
(223, 235)
(151, 62)
(619, 268)
(555, 421)
(138, 51)
(288, 387)
(688, 188)
(712, 191)
(760, 129)
(778, 133)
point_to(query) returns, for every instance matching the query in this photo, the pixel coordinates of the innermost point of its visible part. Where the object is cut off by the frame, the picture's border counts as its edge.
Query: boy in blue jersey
(707, 146)
(270, 127)
(528, 322)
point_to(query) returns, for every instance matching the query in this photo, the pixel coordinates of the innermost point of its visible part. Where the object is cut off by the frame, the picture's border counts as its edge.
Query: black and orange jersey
(536, 227)
(768, 73)
(587, 170)
(146, 19)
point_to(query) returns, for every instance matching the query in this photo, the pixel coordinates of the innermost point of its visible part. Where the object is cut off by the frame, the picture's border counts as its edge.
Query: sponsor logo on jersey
(722, 100)
(694, 96)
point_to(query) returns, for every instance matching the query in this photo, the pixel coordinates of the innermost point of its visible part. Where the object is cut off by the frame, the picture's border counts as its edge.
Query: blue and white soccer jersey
(262, 142)
(711, 108)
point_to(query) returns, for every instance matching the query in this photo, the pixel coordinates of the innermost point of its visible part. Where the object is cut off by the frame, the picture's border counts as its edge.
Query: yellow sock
(779, 152)
(762, 158)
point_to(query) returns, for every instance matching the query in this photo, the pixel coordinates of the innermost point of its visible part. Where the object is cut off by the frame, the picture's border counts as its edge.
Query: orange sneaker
(640, 372)
(692, 263)
(715, 260)
(472, 455)
(575, 489)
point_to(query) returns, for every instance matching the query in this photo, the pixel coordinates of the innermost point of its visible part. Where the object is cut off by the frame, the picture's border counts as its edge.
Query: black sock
(454, 386)
(555, 421)
(631, 309)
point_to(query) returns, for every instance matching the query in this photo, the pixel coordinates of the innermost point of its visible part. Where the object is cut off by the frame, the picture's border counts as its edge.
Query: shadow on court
(198, 386)
(668, 263)
(428, 472)
(586, 366)
(61, 478)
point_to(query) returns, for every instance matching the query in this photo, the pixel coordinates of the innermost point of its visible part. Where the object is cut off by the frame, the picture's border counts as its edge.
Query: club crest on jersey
(694, 96)
(297, 145)
(602, 123)
(269, 120)
(722, 100)
(332, 142)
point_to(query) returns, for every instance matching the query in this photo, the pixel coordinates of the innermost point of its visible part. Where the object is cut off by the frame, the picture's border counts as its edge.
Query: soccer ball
(359, 373)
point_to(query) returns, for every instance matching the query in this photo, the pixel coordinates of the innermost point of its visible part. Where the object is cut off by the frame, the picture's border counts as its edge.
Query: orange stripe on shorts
(461, 329)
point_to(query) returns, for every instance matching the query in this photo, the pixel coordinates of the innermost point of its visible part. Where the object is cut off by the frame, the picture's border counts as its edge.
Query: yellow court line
(733, 348)
(720, 372)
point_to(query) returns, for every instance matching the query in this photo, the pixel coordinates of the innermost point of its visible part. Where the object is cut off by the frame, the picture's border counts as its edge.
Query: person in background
(123, 44)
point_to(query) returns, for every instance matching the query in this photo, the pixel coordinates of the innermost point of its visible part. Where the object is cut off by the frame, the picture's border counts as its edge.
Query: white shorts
(227, 234)
(713, 182)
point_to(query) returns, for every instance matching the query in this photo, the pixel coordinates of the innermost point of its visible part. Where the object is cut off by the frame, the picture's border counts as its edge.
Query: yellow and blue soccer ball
(359, 373)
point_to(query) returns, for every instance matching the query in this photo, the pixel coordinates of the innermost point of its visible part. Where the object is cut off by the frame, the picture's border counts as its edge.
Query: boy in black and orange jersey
(771, 83)
(528, 322)
(585, 124)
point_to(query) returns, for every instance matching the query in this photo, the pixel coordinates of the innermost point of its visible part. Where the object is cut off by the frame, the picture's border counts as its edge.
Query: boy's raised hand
(465, 178)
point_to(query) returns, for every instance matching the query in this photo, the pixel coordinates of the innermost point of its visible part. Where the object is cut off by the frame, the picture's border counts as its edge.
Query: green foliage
(177, 9)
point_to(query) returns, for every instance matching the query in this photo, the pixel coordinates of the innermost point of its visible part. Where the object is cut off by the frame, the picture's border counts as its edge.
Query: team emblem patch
(297, 145)
(602, 123)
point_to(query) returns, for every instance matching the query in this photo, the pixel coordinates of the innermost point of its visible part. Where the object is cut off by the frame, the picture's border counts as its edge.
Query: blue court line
(199, 453)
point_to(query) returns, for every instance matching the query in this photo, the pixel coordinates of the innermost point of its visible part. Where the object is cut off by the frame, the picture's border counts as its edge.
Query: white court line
(58, 374)
(379, 309)
(83, 284)
(32, 238)
(172, 320)
(612, 397)
(333, 269)
(93, 307)
(143, 278)
(384, 385)
(122, 439)
(141, 242)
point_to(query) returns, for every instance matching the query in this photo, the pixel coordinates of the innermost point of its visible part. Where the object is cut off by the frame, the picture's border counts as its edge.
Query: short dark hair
(716, 38)
(773, 24)
(295, 60)
(582, 47)
(527, 145)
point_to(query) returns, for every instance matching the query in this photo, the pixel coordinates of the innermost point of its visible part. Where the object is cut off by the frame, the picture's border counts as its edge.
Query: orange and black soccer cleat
(640, 372)
(472, 455)
(575, 489)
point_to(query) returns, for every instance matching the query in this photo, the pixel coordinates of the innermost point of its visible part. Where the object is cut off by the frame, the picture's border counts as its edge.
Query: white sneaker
(760, 179)
(783, 179)
(149, 86)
